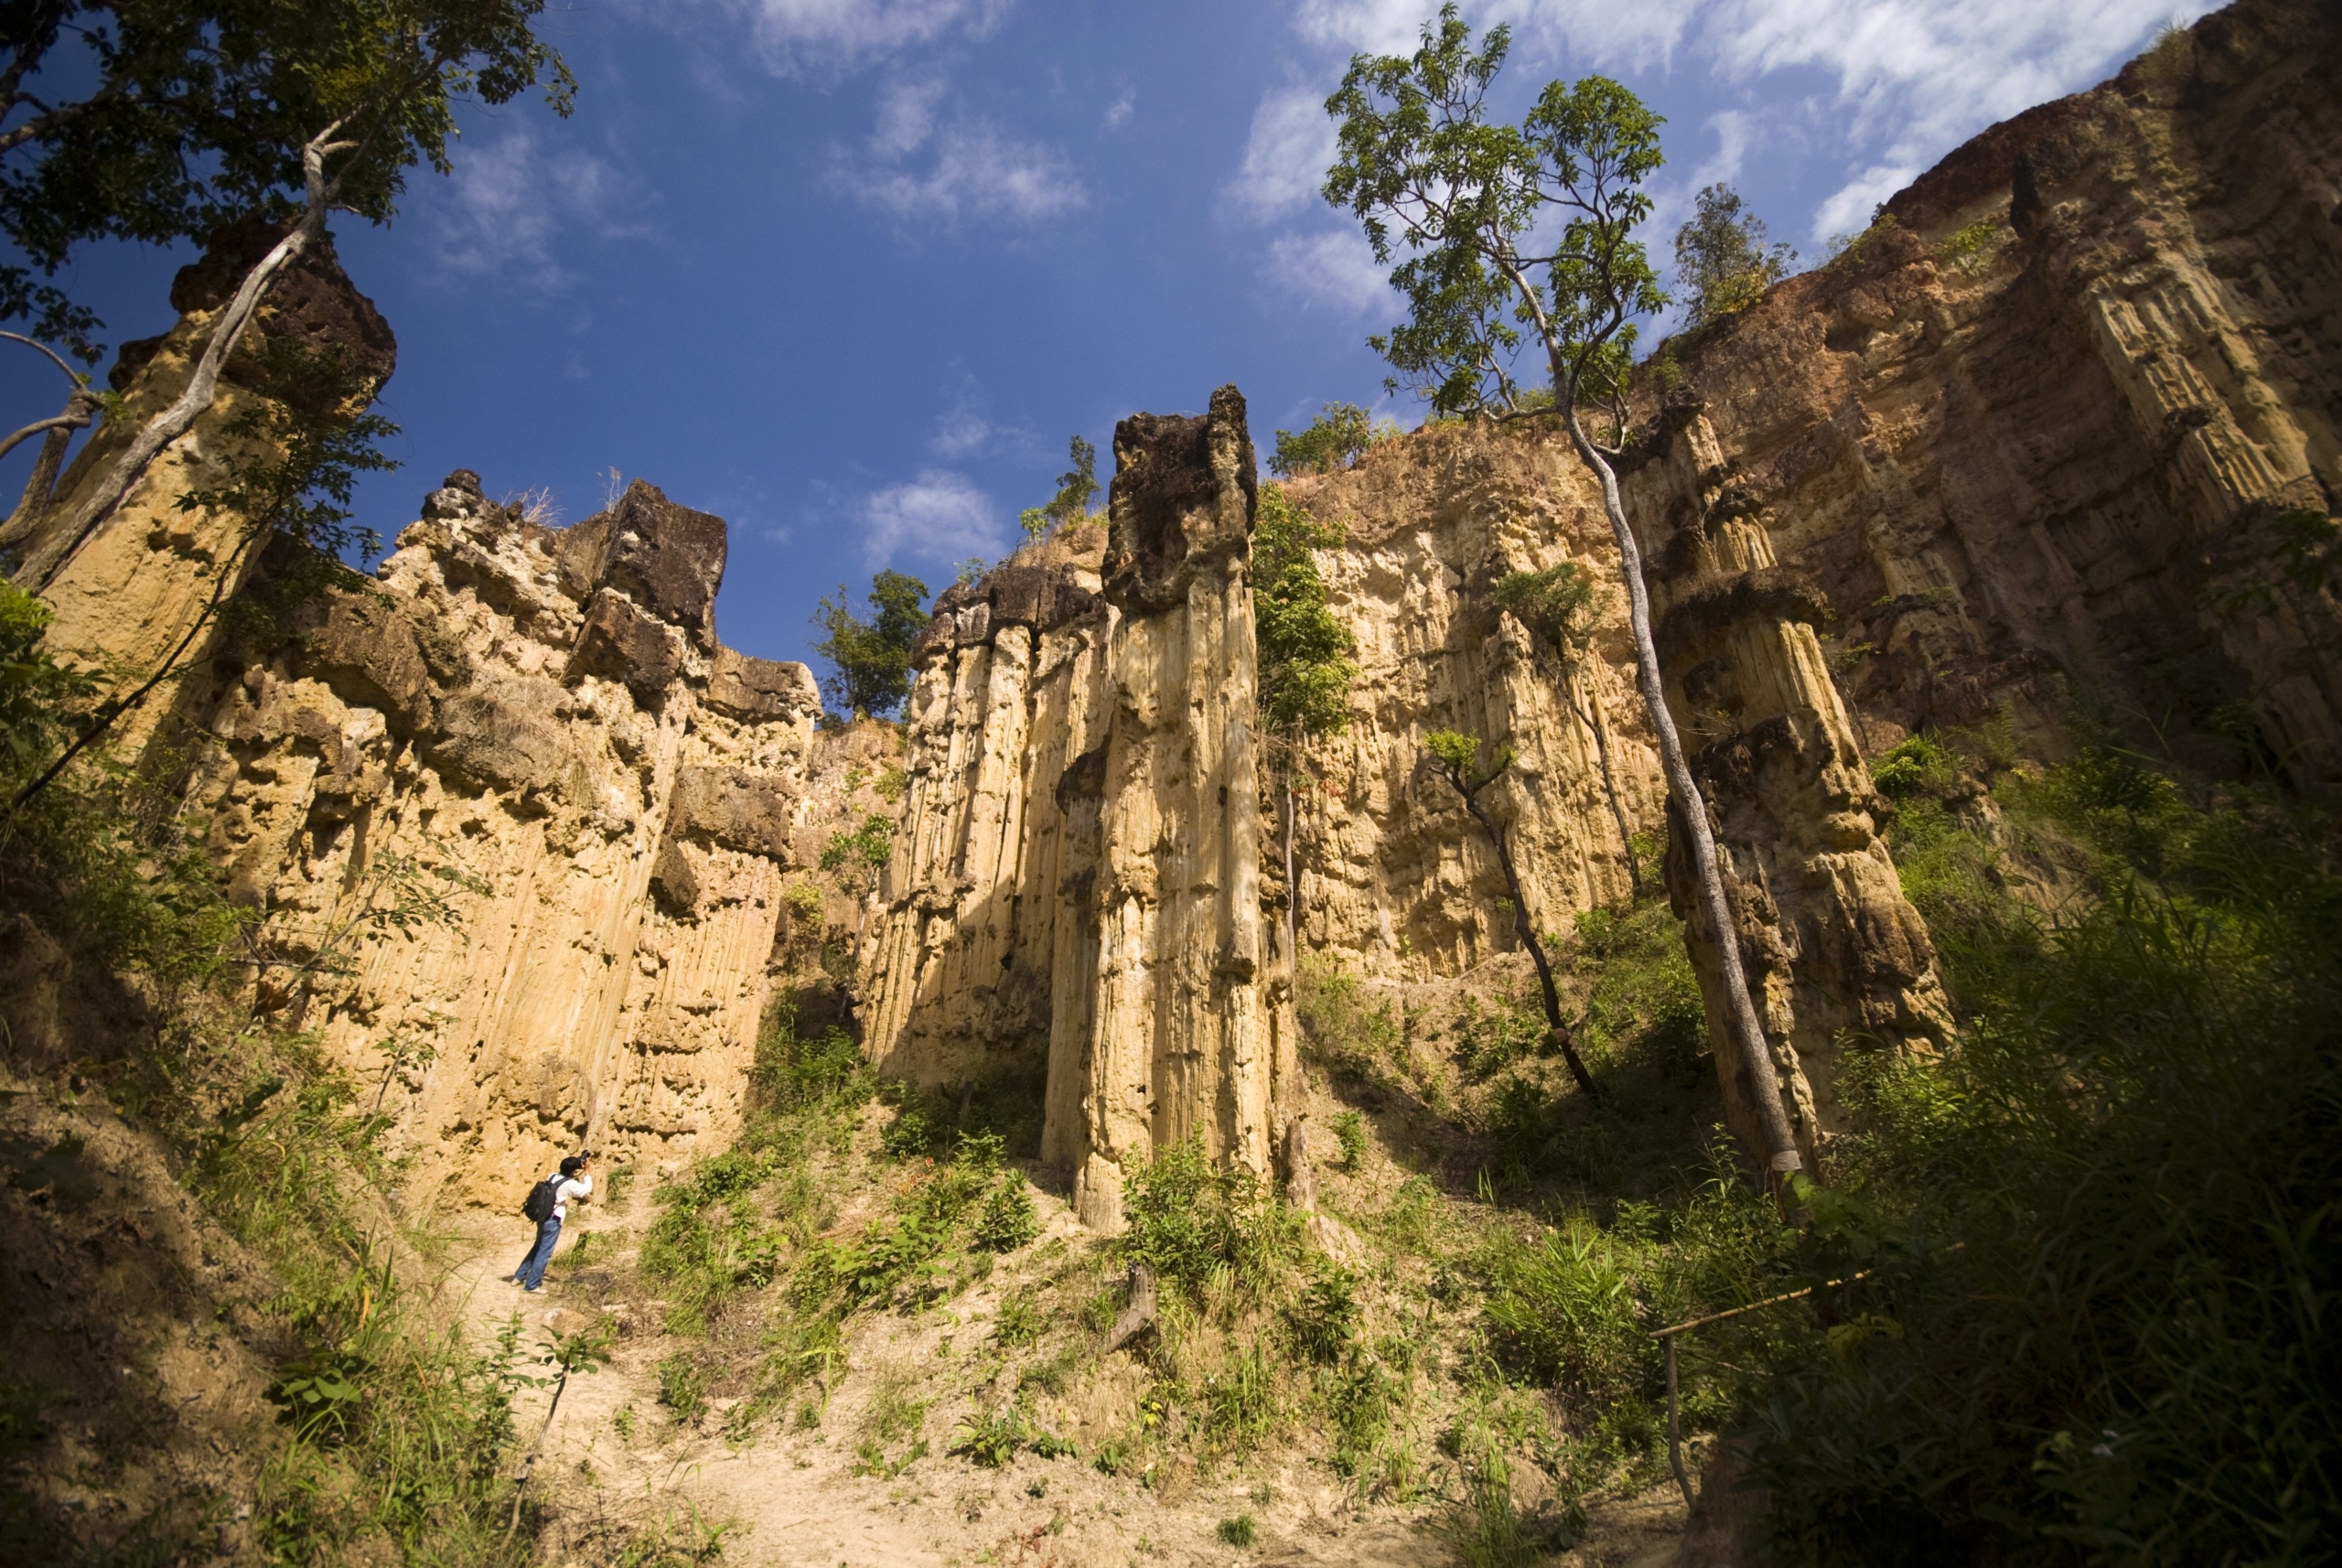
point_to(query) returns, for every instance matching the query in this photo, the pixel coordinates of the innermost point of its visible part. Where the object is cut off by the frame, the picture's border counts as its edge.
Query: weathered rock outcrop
(1080, 866)
(136, 588)
(607, 842)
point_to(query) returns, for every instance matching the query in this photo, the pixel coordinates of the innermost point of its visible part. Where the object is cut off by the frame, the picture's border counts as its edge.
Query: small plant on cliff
(1076, 487)
(1305, 653)
(1337, 437)
(1721, 263)
(1456, 757)
(870, 654)
(1532, 225)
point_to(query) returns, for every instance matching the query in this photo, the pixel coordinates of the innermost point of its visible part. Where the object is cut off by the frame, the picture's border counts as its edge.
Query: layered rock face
(1394, 881)
(1080, 859)
(2037, 440)
(520, 824)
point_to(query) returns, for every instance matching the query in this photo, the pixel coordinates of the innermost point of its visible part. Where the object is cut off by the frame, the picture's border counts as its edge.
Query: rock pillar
(1182, 1038)
(1836, 954)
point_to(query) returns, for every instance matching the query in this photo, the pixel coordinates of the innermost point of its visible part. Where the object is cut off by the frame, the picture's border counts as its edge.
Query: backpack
(539, 1205)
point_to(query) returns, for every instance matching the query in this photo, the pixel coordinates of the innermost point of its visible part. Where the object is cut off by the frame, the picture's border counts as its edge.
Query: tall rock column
(1182, 1037)
(1834, 953)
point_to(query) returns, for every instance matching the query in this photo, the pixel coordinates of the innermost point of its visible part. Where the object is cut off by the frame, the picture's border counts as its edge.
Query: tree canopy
(1474, 205)
(159, 120)
(1076, 489)
(1306, 667)
(870, 655)
(1333, 440)
(1721, 263)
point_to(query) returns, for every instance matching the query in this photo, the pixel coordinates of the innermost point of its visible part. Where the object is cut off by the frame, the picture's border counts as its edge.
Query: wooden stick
(1675, 1427)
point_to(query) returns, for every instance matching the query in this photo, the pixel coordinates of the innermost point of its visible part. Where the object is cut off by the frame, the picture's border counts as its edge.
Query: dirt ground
(612, 1457)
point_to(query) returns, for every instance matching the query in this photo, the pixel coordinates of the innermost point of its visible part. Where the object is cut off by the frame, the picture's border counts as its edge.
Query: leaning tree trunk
(1556, 1030)
(1747, 1028)
(97, 505)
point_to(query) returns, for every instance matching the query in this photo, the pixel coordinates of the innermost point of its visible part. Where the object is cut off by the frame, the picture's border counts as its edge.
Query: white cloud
(971, 166)
(1118, 113)
(1646, 33)
(960, 433)
(1849, 209)
(1286, 157)
(509, 200)
(940, 516)
(1334, 267)
(906, 116)
(842, 35)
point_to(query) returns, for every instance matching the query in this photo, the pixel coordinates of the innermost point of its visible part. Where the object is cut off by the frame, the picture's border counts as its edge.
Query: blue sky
(848, 273)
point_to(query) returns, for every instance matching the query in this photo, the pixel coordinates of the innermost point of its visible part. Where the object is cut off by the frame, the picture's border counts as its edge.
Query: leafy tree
(1456, 757)
(1558, 605)
(289, 110)
(1305, 653)
(160, 120)
(1532, 227)
(1076, 487)
(1333, 440)
(1721, 260)
(870, 655)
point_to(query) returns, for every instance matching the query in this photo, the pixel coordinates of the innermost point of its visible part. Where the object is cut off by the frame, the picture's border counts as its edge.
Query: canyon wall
(2063, 430)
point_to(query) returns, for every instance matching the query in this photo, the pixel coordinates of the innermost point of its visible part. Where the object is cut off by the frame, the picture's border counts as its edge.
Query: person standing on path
(570, 1181)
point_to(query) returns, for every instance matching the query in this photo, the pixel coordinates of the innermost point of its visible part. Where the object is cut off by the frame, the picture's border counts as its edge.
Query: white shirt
(571, 1187)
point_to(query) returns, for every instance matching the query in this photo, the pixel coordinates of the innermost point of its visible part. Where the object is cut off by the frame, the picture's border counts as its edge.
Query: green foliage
(989, 1439)
(870, 654)
(1556, 604)
(1337, 437)
(1305, 653)
(683, 1385)
(1076, 487)
(1487, 1529)
(161, 120)
(862, 853)
(1971, 248)
(2134, 1139)
(1009, 1220)
(1326, 1319)
(1239, 1531)
(38, 697)
(909, 1135)
(1854, 248)
(1918, 766)
(1349, 1133)
(1458, 756)
(1722, 264)
(1474, 205)
(1190, 1220)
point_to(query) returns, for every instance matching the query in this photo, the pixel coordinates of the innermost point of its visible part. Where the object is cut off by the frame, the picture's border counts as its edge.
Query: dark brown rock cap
(667, 558)
(1182, 501)
(1041, 598)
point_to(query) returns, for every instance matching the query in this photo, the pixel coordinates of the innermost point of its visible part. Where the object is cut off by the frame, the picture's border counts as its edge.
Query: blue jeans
(531, 1272)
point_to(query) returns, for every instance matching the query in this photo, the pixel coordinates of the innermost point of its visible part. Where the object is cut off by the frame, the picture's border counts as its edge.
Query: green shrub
(1239, 1531)
(1327, 1318)
(1918, 765)
(1188, 1219)
(909, 1135)
(2136, 1141)
(1349, 1134)
(1009, 1220)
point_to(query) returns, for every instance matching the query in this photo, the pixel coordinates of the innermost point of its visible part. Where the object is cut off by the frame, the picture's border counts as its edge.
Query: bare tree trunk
(1556, 1030)
(1747, 1028)
(42, 566)
(80, 409)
